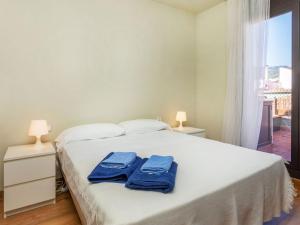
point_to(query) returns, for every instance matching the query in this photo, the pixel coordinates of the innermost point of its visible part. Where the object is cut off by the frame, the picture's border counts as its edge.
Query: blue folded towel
(164, 182)
(119, 160)
(157, 164)
(115, 175)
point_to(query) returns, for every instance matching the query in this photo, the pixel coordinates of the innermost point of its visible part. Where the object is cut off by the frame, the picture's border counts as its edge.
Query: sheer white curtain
(247, 47)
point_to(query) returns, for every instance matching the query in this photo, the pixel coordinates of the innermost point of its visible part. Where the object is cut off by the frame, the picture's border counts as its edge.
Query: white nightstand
(191, 131)
(29, 177)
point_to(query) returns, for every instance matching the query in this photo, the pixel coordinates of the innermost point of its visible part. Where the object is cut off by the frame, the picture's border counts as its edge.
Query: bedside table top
(188, 130)
(28, 151)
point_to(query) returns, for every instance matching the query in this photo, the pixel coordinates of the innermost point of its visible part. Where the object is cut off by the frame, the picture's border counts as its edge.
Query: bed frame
(77, 206)
(75, 201)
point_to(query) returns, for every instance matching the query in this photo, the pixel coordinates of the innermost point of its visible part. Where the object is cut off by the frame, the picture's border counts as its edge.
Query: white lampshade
(38, 128)
(181, 117)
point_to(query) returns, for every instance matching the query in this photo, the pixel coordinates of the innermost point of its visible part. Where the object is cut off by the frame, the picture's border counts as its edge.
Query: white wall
(77, 61)
(211, 69)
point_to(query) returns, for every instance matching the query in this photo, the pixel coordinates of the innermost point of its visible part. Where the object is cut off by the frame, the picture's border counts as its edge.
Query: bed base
(75, 201)
(77, 206)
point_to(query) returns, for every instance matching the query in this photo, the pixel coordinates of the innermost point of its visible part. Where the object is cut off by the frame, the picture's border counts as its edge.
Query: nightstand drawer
(22, 195)
(24, 170)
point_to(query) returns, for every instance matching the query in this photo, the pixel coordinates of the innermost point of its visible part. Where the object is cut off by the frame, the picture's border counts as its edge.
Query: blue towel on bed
(119, 160)
(157, 164)
(116, 175)
(164, 182)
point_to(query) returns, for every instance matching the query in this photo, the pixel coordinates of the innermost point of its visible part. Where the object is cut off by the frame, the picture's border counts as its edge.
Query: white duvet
(216, 183)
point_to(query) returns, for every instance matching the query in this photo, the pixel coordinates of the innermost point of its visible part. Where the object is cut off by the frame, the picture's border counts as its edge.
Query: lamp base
(38, 140)
(180, 127)
(38, 143)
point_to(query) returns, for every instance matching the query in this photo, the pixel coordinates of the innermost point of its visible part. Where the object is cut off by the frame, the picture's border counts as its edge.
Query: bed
(216, 183)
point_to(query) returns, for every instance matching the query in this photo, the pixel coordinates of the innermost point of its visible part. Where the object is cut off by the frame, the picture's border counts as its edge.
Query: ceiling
(191, 5)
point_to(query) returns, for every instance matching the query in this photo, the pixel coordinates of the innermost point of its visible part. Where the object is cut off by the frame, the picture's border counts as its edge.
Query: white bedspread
(216, 184)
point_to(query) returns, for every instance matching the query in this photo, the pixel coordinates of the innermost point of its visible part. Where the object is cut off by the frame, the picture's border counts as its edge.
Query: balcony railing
(282, 102)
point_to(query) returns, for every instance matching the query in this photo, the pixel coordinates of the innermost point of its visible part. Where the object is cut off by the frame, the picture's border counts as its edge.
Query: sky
(280, 40)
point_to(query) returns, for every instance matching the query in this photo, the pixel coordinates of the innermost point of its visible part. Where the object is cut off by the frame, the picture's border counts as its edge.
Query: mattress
(216, 183)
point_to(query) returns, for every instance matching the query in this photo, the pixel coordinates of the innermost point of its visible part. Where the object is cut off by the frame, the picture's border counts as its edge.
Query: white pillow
(141, 126)
(89, 132)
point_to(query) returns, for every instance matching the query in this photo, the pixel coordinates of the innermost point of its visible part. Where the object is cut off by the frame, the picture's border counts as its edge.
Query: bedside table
(191, 131)
(29, 177)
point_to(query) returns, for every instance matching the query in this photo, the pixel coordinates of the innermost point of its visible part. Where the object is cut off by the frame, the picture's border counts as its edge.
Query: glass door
(280, 121)
(275, 137)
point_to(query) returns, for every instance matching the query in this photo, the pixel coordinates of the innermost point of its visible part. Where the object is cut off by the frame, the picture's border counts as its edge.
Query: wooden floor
(64, 213)
(61, 213)
(294, 217)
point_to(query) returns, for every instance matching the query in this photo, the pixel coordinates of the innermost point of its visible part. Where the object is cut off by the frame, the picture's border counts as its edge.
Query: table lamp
(38, 128)
(181, 117)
